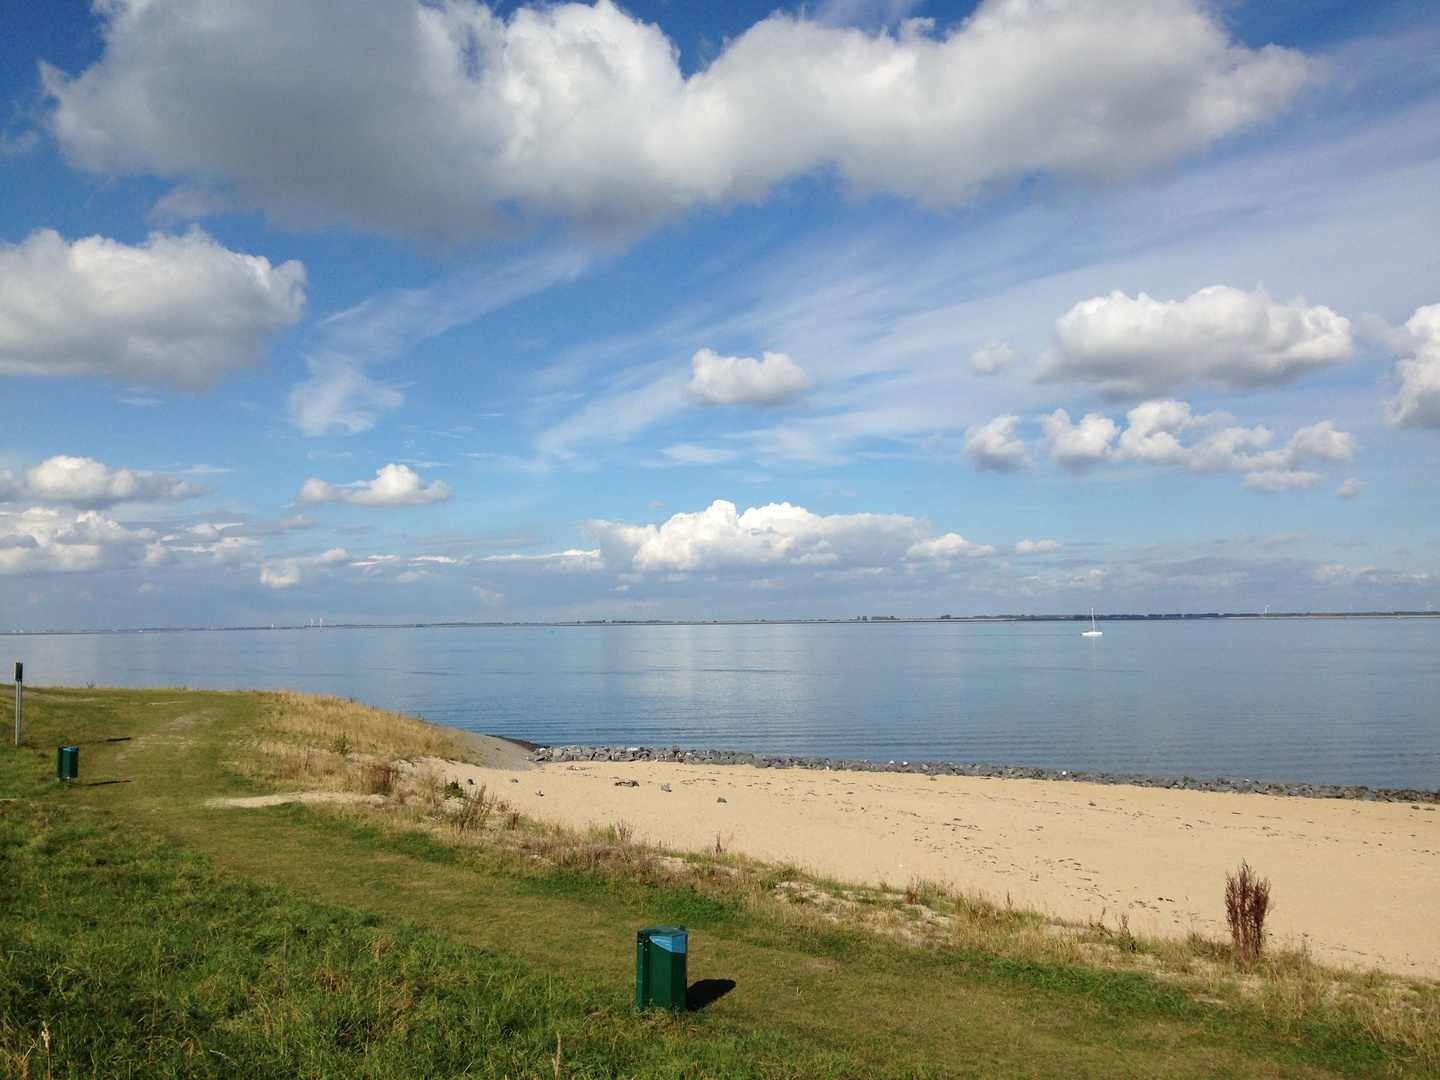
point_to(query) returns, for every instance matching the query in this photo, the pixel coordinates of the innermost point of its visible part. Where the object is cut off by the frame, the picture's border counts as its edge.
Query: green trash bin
(67, 763)
(660, 967)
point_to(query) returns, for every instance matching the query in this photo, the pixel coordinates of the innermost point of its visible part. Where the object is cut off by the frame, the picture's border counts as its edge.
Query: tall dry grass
(314, 742)
(1247, 901)
(339, 725)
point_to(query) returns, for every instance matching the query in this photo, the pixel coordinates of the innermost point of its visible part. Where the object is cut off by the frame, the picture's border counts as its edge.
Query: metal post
(19, 679)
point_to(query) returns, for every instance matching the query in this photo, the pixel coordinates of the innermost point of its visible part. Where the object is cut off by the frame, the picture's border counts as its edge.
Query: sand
(1357, 883)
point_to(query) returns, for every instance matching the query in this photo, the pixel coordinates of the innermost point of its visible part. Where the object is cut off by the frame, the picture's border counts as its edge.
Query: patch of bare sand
(1357, 883)
(250, 801)
(495, 752)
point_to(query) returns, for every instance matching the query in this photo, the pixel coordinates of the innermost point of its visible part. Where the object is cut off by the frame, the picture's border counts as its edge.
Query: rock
(944, 768)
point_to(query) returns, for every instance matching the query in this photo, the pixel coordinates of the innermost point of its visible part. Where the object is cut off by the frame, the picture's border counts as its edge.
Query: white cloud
(339, 396)
(1153, 434)
(393, 486)
(1417, 403)
(1167, 432)
(1278, 481)
(1156, 428)
(89, 484)
(690, 454)
(1350, 488)
(182, 311)
(1323, 441)
(572, 561)
(1218, 337)
(778, 534)
(1076, 446)
(44, 538)
(284, 573)
(991, 358)
(995, 447)
(947, 547)
(441, 120)
(743, 380)
(1037, 547)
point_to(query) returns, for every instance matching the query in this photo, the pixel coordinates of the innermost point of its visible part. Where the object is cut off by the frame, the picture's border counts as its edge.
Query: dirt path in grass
(1356, 883)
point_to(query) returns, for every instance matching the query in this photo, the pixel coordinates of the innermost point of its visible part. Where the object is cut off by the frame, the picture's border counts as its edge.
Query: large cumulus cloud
(181, 311)
(1217, 337)
(1417, 400)
(49, 539)
(440, 119)
(89, 484)
(720, 536)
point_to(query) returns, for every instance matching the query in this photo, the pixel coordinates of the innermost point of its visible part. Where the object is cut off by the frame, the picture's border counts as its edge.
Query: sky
(391, 311)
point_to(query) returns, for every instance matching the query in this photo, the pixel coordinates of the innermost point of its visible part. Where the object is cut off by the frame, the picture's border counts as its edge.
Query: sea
(1330, 701)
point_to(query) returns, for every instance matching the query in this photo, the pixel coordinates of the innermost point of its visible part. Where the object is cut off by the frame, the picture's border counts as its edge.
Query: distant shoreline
(1241, 616)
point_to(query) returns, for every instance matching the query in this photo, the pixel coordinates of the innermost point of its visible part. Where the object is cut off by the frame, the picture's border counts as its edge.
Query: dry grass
(312, 742)
(315, 721)
(298, 749)
(1247, 899)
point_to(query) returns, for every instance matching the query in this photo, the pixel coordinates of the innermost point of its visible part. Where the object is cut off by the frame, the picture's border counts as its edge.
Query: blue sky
(399, 312)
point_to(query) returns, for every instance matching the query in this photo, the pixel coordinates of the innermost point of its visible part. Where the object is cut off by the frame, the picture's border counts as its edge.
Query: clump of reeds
(1247, 900)
(380, 779)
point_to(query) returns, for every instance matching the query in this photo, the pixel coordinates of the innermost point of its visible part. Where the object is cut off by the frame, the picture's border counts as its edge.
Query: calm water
(1325, 701)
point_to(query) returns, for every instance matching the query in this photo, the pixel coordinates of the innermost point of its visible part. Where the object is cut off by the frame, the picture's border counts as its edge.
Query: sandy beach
(1358, 883)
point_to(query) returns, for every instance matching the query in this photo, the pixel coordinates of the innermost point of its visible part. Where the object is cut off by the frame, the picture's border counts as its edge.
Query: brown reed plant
(1247, 900)
(380, 779)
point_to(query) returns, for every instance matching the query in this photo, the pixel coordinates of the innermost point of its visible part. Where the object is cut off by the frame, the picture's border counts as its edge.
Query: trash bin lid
(670, 938)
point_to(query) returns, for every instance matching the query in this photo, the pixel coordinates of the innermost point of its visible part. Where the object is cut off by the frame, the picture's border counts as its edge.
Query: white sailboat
(1093, 631)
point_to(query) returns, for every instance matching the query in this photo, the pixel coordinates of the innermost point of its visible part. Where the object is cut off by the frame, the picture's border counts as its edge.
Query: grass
(442, 935)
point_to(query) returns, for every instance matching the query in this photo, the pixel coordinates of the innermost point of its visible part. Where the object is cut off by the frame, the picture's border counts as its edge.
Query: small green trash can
(660, 981)
(67, 763)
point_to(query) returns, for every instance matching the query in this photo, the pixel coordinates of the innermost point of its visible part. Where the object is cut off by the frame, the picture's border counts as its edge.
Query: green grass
(152, 936)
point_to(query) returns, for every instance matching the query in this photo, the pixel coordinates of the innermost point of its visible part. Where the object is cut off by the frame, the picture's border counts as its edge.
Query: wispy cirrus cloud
(342, 397)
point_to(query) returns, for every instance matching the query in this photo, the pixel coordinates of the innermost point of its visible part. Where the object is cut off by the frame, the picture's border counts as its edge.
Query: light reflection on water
(1324, 701)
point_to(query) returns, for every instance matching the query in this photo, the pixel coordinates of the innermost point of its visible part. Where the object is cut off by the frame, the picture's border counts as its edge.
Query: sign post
(19, 679)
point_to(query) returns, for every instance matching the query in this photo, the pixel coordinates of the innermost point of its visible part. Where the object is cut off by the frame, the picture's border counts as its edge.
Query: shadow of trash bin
(706, 992)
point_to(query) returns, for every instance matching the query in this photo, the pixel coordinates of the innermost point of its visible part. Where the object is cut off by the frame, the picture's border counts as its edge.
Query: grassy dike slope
(143, 933)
